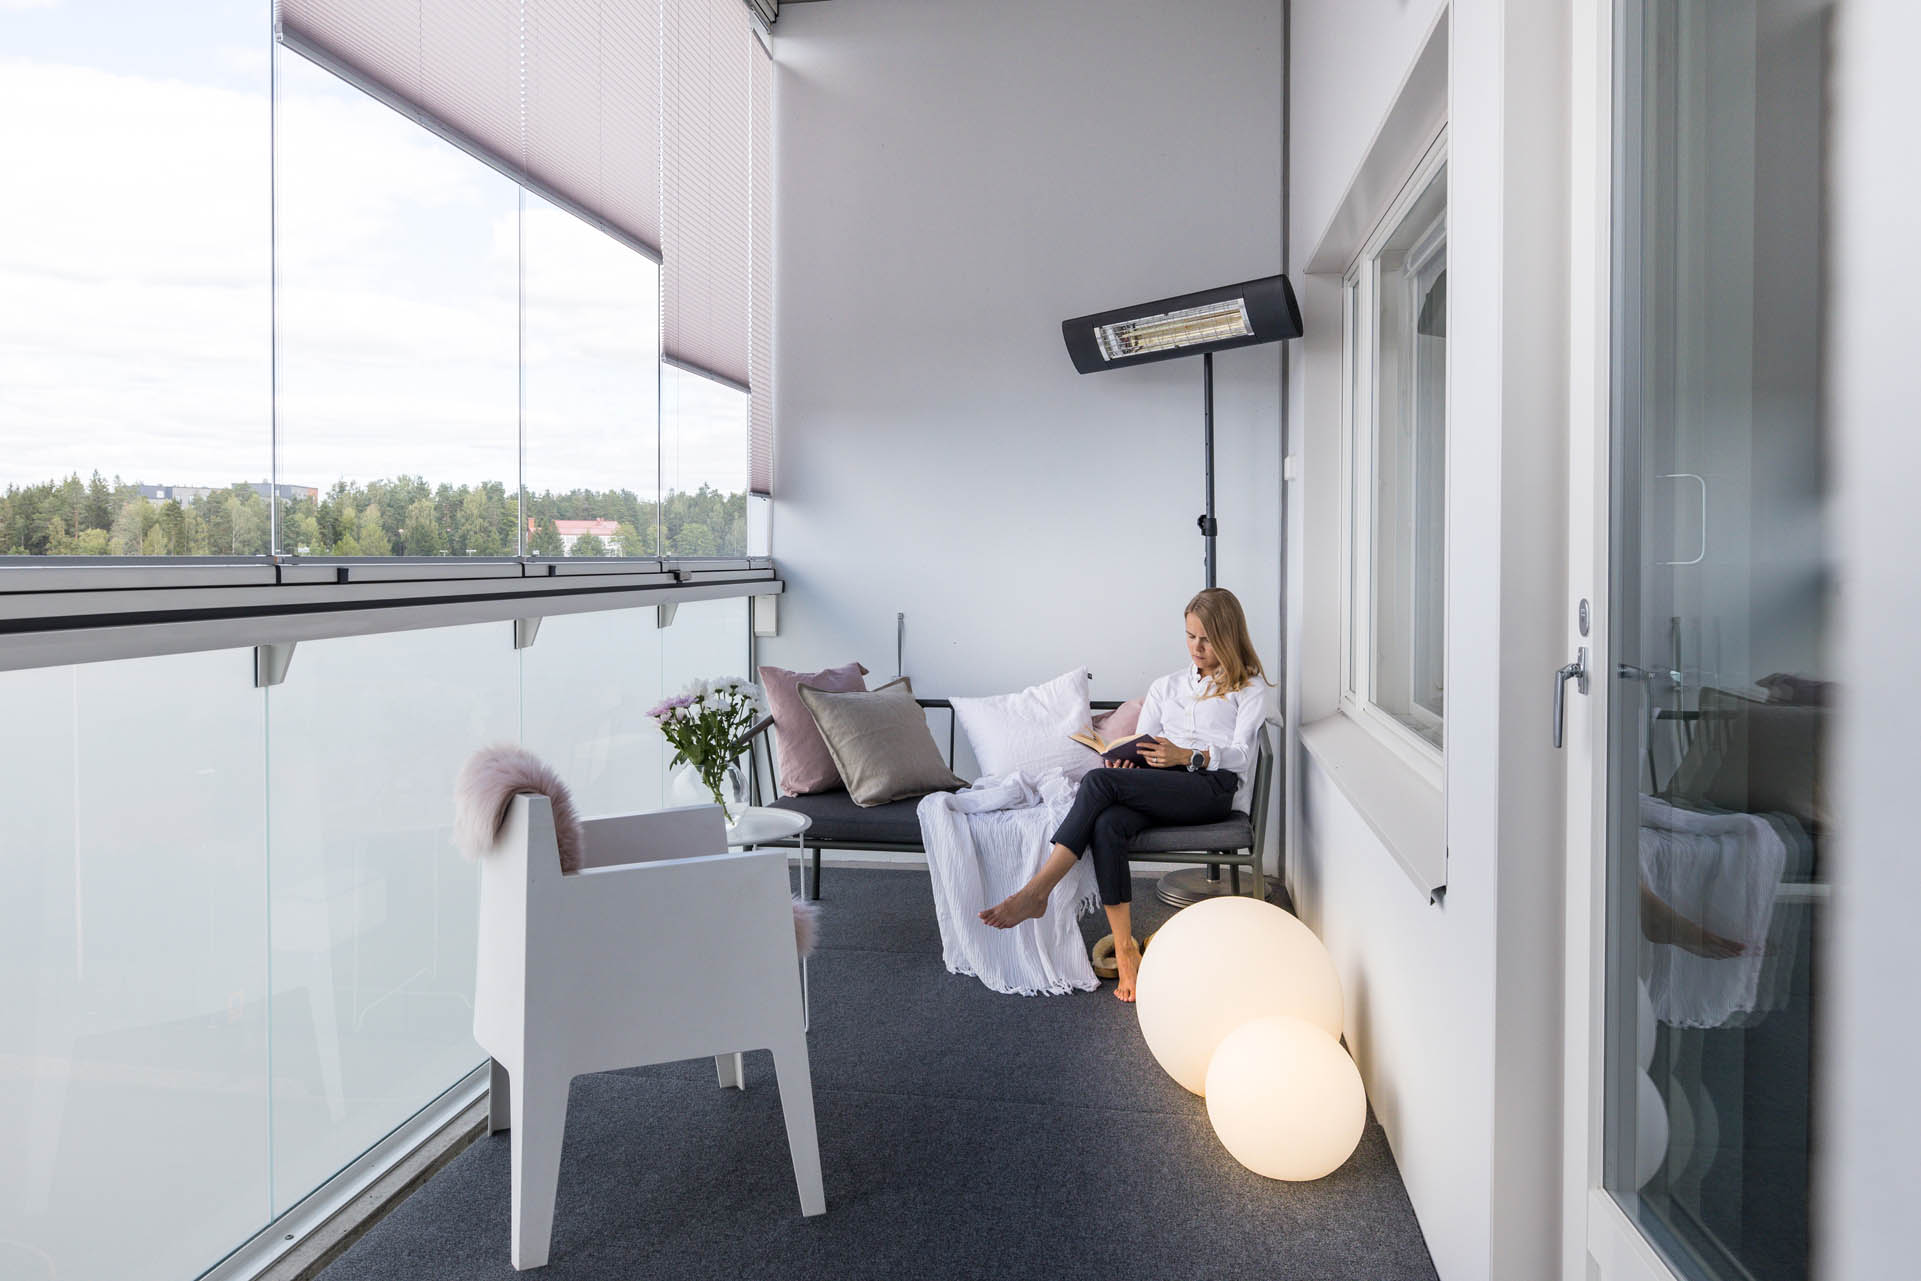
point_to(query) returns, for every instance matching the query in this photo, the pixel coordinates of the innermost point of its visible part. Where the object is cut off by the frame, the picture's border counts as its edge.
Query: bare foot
(1127, 958)
(1024, 904)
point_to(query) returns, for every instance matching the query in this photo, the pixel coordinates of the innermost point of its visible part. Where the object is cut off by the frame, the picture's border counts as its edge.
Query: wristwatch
(1195, 765)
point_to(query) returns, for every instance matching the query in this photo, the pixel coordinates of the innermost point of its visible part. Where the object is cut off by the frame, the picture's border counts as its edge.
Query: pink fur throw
(488, 783)
(493, 776)
(806, 926)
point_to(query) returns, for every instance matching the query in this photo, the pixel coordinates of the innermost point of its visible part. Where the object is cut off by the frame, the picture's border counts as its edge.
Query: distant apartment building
(607, 531)
(184, 494)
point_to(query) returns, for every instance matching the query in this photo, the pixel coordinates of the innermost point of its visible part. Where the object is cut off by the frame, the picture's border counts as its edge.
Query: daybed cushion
(1029, 730)
(837, 818)
(1235, 832)
(805, 763)
(880, 743)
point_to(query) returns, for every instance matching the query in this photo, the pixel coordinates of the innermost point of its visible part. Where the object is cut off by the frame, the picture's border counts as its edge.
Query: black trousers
(1116, 805)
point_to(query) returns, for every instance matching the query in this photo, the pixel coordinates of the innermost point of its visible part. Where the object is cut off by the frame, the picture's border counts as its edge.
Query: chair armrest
(759, 727)
(647, 838)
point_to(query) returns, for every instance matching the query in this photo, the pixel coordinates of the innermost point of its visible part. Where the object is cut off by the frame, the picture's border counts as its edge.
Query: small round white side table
(759, 824)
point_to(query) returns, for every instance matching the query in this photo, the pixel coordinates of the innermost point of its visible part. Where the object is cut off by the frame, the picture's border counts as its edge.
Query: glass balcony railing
(237, 945)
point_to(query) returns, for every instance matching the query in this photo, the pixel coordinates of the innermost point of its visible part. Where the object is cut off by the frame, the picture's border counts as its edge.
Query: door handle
(1577, 672)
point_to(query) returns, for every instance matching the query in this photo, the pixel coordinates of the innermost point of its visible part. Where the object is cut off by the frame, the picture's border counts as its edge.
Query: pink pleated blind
(760, 317)
(706, 226)
(593, 108)
(562, 95)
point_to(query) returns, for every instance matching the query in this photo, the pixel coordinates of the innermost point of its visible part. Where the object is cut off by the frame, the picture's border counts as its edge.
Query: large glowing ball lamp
(1219, 963)
(1285, 1099)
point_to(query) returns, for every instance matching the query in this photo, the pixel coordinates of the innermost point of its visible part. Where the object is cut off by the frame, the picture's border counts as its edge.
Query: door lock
(1577, 672)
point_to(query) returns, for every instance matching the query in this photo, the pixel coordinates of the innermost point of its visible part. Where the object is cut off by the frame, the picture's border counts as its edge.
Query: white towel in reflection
(984, 843)
(1721, 871)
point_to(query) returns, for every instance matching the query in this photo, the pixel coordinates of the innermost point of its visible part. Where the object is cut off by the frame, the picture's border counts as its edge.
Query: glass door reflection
(1720, 584)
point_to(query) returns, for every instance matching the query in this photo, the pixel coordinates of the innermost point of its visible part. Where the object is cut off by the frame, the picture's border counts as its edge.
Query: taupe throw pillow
(879, 742)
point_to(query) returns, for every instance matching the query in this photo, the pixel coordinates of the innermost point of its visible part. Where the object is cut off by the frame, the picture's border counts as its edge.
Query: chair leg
(539, 1122)
(1260, 878)
(816, 892)
(1234, 877)
(797, 1107)
(498, 1092)
(728, 1067)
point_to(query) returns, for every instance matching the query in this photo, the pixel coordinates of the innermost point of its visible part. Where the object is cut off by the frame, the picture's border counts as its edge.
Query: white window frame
(1359, 346)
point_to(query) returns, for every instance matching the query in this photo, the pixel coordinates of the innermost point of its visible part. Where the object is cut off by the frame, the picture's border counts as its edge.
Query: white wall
(1453, 1008)
(1870, 1042)
(956, 180)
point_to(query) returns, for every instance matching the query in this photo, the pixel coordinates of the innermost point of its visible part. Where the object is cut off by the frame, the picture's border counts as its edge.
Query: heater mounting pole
(1209, 527)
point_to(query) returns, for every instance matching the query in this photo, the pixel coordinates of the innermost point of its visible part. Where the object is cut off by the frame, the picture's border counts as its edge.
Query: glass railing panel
(708, 639)
(374, 912)
(586, 687)
(133, 967)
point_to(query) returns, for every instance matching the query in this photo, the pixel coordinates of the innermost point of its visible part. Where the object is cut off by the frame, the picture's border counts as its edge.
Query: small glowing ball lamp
(1285, 1099)
(1219, 963)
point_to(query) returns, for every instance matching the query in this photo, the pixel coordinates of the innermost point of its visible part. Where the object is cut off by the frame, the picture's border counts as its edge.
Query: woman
(1204, 723)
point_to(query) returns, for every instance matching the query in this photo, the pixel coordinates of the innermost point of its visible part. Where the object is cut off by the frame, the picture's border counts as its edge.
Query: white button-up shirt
(1227, 728)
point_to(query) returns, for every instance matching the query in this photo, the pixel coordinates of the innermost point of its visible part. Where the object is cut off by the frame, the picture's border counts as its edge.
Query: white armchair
(659, 948)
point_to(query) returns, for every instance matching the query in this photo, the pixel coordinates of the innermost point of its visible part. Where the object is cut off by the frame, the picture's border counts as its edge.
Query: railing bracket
(270, 663)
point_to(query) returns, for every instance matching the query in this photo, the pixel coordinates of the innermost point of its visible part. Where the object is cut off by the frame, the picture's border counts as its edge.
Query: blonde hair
(1226, 627)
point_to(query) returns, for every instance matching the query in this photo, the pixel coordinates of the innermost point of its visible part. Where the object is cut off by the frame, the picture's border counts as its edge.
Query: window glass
(703, 426)
(135, 307)
(398, 329)
(1408, 545)
(590, 347)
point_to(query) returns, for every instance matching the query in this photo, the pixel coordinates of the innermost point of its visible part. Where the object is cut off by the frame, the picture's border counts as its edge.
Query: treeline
(404, 516)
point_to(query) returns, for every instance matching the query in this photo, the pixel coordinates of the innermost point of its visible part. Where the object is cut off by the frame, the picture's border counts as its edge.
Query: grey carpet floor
(964, 1134)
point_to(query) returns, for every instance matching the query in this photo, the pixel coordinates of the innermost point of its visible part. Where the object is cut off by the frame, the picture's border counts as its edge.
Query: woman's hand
(1120, 765)
(1162, 754)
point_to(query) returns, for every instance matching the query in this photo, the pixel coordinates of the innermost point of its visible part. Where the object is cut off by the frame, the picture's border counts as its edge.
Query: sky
(138, 321)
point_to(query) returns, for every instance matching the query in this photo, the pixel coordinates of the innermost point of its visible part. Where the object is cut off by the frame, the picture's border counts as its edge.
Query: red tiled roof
(574, 528)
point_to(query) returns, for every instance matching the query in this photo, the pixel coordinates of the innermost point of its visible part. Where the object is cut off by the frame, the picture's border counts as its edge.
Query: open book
(1127, 748)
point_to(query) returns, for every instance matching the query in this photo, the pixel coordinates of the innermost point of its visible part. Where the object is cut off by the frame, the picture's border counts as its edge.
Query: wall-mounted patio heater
(1197, 324)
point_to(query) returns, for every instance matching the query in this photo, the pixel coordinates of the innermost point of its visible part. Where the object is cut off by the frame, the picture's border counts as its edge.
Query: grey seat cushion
(837, 818)
(1235, 832)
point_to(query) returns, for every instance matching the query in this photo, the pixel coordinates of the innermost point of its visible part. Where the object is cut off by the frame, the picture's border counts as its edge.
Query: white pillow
(1028, 731)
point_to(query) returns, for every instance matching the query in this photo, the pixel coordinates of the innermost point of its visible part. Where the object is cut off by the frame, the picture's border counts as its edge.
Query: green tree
(252, 533)
(420, 536)
(588, 545)
(194, 532)
(100, 508)
(372, 535)
(130, 528)
(630, 541)
(546, 540)
(302, 535)
(695, 539)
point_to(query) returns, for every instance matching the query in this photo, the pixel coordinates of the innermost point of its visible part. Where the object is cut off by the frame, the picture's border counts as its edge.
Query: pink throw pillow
(805, 763)
(1119, 723)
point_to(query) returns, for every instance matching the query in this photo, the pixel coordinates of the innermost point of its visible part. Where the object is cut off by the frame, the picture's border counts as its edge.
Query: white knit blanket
(984, 843)
(1722, 871)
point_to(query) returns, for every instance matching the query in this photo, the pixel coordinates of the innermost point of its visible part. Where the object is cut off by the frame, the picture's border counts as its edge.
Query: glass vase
(685, 786)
